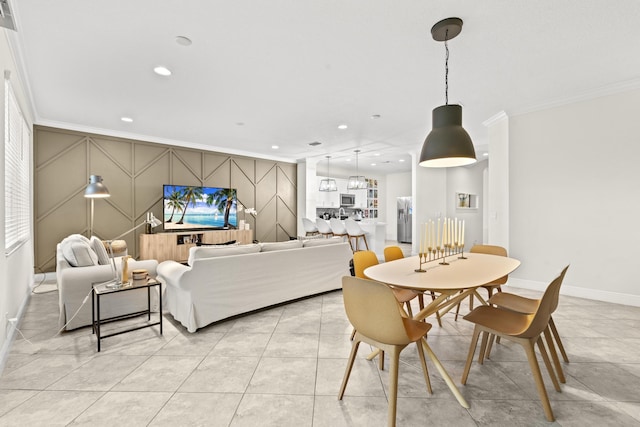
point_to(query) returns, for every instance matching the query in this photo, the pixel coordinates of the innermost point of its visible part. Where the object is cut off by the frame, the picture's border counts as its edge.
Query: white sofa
(221, 282)
(74, 285)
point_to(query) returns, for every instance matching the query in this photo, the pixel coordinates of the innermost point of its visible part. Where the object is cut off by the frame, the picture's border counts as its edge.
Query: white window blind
(16, 172)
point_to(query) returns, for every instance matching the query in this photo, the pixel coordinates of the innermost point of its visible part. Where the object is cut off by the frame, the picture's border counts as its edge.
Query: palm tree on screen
(223, 199)
(174, 201)
(190, 195)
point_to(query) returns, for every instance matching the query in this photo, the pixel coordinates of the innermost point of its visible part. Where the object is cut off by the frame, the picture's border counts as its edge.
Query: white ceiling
(288, 72)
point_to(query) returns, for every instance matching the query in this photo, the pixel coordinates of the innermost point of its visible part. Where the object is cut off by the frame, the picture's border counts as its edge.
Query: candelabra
(440, 253)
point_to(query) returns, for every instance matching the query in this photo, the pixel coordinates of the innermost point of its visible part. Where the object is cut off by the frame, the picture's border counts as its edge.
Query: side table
(101, 289)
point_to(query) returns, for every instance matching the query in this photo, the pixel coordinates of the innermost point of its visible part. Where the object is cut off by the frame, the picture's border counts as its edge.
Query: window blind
(16, 172)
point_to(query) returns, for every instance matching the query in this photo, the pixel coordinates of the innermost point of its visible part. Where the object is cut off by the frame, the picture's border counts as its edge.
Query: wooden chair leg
(364, 237)
(353, 334)
(423, 362)
(537, 376)
(409, 311)
(457, 310)
(483, 347)
(554, 355)
(556, 336)
(433, 298)
(492, 338)
(547, 363)
(347, 373)
(393, 386)
(472, 350)
(381, 360)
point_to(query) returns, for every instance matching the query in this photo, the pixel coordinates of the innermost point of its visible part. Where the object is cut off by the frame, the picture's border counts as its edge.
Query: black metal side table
(101, 289)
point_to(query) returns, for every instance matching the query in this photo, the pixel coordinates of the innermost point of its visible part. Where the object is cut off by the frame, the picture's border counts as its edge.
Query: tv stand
(175, 245)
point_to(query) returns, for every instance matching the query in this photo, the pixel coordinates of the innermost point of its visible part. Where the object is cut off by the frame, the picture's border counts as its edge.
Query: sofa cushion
(278, 246)
(77, 250)
(218, 251)
(322, 242)
(101, 252)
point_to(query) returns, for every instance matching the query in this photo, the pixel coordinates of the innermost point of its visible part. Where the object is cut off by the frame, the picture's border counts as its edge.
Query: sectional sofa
(224, 281)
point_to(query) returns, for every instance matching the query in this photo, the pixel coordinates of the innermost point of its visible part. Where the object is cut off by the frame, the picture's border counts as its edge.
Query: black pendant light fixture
(328, 183)
(448, 144)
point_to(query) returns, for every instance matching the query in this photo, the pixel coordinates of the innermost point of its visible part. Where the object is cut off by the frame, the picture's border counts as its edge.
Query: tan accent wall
(134, 172)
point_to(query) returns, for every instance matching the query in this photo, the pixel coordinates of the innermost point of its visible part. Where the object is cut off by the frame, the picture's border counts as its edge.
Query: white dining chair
(323, 227)
(310, 227)
(356, 233)
(338, 228)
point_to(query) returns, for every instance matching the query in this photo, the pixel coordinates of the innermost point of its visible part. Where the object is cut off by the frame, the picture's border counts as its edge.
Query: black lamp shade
(448, 144)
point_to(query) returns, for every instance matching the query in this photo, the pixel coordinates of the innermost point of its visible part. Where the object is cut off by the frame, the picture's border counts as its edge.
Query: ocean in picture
(203, 220)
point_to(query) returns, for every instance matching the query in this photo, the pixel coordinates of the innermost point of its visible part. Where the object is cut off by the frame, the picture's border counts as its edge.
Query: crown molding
(158, 140)
(498, 117)
(594, 93)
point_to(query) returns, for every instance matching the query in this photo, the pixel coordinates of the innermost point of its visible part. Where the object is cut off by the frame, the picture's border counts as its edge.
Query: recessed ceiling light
(347, 160)
(485, 154)
(126, 119)
(375, 116)
(275, 147)
(162, 71)
(373, 164)
(401, 160)
(376, 154)
(183, 41)
(342, 127)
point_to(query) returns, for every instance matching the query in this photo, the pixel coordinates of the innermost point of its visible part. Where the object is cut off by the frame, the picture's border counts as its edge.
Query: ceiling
(288, 72)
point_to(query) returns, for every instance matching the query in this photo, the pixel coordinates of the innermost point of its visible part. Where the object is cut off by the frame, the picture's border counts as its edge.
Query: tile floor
(283, 367)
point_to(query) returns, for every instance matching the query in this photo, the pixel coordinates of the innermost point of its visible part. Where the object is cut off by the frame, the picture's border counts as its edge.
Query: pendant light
(328, 184)
(356, 182)
(448, 144)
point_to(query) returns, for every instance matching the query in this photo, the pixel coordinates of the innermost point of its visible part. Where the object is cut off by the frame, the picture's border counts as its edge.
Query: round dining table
(454, 281)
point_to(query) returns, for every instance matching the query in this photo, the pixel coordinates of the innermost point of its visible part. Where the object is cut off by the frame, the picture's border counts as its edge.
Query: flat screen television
(188, 207)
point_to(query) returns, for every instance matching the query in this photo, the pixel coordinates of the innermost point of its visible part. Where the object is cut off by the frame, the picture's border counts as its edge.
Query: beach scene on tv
(190, 208)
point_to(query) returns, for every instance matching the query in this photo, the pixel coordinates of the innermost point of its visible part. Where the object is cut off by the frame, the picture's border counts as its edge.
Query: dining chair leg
(409, 311)
(483, 347)
(537, 376)
(353, 334)
(425, 370)
(554, 355)
(393, 386)
(547, 363)
(492, 338)
(433, 298)
(381, 360)
(457, 310)
(472, 351)
(558, 340)
(347, 373)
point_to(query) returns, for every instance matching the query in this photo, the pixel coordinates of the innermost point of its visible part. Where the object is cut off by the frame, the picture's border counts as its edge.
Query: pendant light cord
(446, 69)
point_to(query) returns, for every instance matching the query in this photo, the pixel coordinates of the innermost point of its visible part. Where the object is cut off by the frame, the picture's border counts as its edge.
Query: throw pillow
(278, 246)
(78, 253)
(322, 242)
(99, 249)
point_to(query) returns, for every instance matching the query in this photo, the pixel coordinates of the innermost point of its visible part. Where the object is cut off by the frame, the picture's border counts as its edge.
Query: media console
(175, 246)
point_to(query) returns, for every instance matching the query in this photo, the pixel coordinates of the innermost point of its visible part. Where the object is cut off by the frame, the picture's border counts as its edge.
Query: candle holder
(440, 253)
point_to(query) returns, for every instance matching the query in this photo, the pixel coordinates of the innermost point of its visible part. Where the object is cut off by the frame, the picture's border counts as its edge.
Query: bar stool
(310, 228)
(323, 228)
(355, 232)
(338, 229)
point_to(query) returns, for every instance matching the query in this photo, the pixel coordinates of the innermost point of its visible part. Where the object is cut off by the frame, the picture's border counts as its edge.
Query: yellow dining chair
(373, 311)
(523, 329)
(490, 250)
(524, 305)
(392, 253)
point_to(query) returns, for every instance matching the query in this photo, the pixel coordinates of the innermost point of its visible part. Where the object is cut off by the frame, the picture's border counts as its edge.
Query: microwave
(347, 199)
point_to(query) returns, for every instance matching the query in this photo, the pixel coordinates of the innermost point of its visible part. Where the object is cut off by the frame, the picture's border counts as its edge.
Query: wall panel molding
(134, 172)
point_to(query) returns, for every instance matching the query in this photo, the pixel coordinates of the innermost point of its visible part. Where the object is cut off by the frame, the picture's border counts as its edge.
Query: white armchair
(74, 287)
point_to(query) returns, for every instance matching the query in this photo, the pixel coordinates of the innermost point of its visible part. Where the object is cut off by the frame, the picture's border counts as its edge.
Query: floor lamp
(116, 283)
(95, 190)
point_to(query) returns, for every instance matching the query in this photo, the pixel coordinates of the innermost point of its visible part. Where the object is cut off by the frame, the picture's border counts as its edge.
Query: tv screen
(199, 208)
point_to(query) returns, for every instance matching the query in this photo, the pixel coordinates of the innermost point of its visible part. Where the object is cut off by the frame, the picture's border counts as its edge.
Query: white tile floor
(283, 367)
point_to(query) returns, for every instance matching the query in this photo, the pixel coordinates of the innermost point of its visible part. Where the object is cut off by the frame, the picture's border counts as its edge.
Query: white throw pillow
(199, 252)
(78, 252)
(99, 249)
(322, 242)
(278, 246)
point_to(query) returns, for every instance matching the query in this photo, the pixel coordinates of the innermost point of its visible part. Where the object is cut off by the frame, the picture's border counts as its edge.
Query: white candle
(455, 232)
(438, 241)
(433, 237)
(462, 238)
(445, 234)
(421, 243)
(426, 236)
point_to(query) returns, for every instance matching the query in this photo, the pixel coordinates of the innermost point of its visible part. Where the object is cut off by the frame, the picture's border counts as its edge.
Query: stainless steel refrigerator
(404, 219)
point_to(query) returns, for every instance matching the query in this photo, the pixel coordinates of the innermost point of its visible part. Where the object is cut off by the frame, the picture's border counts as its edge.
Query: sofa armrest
(171, 272)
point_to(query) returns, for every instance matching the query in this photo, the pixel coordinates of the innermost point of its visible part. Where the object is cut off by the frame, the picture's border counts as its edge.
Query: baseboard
(6, 346)
(575, 291)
